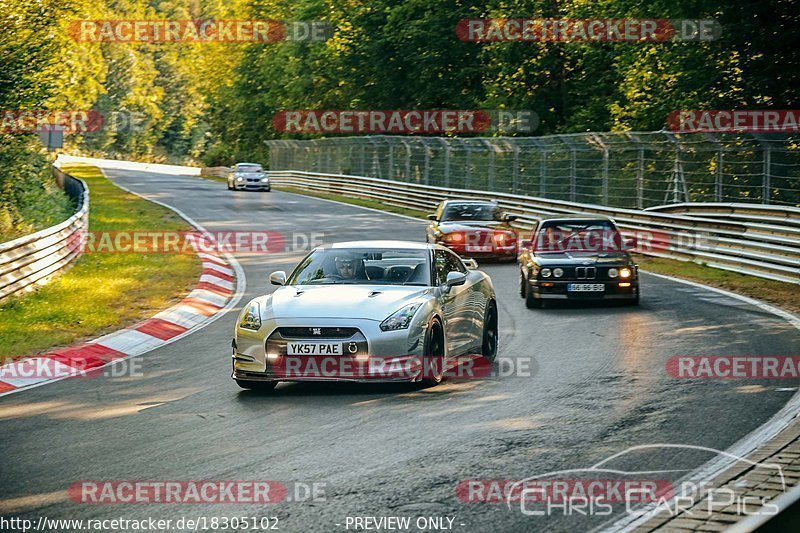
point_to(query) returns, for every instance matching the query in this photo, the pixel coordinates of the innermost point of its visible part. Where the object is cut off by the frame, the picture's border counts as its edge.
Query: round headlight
(558, 272)
(625, 273)
(240, 179)
(545, 272)
(613, 272)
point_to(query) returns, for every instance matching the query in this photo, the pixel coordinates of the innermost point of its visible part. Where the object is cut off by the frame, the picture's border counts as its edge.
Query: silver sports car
(366, 311)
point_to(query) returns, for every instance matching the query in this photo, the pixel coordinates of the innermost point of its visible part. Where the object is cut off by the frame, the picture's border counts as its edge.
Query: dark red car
(473, 228)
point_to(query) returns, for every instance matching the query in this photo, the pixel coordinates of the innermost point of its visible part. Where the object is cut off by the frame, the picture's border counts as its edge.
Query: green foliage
(215, 101)
(29, 198)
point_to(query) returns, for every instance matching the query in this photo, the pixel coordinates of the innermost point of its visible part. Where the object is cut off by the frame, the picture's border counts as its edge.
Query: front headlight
(613, 272)
(252, 318)
(401, 319)
(625, 272)
(239, 178)
(264, 180)
(545, 272)
(558, 272)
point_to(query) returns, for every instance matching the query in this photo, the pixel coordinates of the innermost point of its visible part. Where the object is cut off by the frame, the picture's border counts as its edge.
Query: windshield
(248, 168)
(363, 266)
(578, 236)
(471, 211)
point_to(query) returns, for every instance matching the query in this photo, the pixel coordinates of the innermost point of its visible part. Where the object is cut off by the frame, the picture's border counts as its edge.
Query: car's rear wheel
(433, 358)
(531, 302)
(490, 336)
(262, 386)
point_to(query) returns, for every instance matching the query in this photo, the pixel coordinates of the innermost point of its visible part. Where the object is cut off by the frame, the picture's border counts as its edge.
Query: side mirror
(470, 263)
(432, 216)
(278, 277)
(509, 218)
(455, 278)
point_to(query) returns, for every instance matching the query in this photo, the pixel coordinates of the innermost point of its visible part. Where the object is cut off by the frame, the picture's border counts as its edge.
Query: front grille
(316, 333)
(585, 272)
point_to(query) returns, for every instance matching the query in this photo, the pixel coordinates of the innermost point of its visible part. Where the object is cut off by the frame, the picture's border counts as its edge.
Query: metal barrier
(634, 170)
(34, 259)
(738, 246)
(215, 172)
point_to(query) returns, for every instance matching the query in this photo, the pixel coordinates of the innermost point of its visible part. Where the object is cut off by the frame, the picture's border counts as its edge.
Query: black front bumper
(557, 290)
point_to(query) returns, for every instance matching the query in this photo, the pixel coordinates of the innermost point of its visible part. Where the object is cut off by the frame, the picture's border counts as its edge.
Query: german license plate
(314, 348)
(585, 287)
(477, 248)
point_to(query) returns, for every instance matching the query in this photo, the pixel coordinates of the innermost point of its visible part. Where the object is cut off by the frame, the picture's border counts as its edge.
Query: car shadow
(289, 389)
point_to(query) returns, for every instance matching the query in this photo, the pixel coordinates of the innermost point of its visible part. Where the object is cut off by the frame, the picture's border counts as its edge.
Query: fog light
(624, 284)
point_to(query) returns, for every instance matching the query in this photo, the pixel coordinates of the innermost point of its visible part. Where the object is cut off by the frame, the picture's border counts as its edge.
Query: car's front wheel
(531, 302)
(262, 386)
(433, 358)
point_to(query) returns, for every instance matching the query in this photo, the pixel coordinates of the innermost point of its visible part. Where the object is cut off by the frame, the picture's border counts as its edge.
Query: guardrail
(34, 259)
(216, 172)
(727, 244)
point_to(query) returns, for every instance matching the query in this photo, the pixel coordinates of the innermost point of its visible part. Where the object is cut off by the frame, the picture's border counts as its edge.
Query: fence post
(640, 180)
(573, 174)
(446, 161)
(391, 160)
(490, 177)
(427, 168)
(718, 181)
(543, 174)
(468, 169)
(515, 171)
(766, 195)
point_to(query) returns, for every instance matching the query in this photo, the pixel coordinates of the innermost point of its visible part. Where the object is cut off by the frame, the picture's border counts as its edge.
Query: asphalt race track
(598, 385)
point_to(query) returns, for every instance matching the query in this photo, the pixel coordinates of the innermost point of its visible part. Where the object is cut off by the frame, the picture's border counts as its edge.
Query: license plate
(585, 287)
(314, 348)
(477, 248)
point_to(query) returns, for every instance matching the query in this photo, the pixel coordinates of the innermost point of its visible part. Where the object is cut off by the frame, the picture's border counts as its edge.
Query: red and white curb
(220, 288)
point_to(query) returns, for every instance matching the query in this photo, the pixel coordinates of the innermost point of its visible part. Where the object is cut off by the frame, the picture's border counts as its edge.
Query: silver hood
(371, 302)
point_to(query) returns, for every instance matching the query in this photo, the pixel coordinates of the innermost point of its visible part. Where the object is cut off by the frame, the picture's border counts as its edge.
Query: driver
(346, 266)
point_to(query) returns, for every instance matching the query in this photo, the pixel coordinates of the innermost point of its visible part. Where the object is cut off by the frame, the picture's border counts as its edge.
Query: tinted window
(363, 266)
(454, 263)
(471, 211)
(441, 267)
(248, 168)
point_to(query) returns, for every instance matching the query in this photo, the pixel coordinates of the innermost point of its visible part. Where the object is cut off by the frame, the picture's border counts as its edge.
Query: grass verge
(779, 293)
(102, 292)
